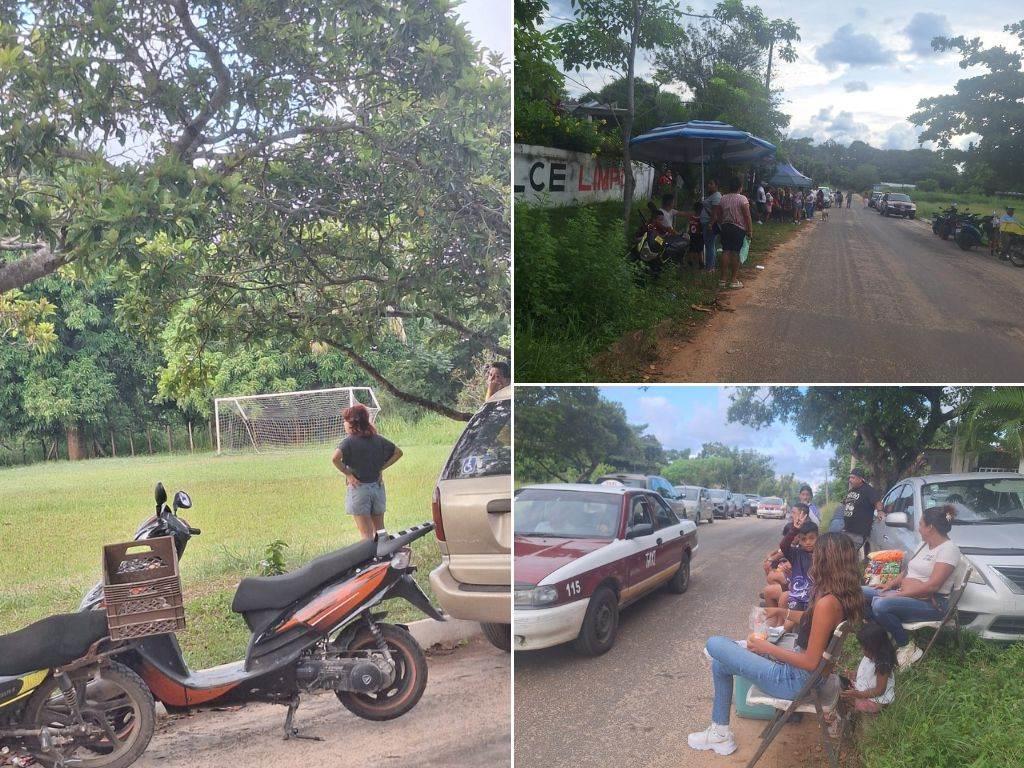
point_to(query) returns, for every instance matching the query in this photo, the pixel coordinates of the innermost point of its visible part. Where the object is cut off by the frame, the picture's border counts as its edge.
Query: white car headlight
(535, 597)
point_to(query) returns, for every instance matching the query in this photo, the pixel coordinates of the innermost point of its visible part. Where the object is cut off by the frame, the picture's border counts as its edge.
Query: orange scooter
(317, 628)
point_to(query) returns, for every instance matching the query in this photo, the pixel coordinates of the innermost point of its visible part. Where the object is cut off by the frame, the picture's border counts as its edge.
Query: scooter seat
(260, 593)
(51, 642)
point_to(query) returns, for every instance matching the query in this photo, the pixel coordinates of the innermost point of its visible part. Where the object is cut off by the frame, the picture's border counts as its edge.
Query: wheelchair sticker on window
(471, 465)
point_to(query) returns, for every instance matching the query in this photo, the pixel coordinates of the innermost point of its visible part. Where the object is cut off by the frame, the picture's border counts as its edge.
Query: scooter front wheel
(410, 676)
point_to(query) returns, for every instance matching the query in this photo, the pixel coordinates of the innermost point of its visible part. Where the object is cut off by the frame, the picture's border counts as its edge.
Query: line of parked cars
(893, 204)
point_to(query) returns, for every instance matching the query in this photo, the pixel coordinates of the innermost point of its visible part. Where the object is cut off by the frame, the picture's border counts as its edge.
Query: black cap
(858, 472)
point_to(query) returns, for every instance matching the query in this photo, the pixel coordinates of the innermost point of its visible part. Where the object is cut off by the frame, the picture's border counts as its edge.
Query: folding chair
(811, 699)
(961, 578)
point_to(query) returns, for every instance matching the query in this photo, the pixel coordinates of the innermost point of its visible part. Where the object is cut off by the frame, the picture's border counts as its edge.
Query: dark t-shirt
(366, 455)
(859, 510)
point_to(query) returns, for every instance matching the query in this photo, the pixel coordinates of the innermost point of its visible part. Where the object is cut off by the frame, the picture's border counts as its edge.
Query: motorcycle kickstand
(290, 731)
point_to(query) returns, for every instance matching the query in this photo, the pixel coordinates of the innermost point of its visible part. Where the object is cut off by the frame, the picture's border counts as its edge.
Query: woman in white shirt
(921, 592)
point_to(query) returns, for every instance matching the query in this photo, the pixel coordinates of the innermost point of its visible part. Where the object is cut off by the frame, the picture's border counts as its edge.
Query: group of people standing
(782, 204)
(813, 583)
(717, 217)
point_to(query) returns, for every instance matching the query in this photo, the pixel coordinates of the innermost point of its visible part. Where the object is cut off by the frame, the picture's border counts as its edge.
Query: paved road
(463, 719)
(635, 705)
(862, 298)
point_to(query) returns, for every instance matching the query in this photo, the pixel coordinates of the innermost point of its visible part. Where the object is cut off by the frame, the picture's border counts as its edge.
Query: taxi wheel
(680, 581)
(597, 635)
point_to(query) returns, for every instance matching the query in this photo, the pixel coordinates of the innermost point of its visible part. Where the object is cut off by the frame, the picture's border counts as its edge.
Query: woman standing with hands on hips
(362, 457)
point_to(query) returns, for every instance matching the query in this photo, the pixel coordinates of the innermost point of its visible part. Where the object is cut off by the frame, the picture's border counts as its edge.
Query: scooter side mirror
(161, 494)
(182, 501)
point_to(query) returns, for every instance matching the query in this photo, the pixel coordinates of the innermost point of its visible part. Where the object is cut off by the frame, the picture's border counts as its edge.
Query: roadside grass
(56, 517)
(930, 203)
(951, 713)
(583, 312)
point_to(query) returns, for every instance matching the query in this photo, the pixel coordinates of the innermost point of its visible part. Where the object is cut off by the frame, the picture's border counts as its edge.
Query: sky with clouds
(862, 66)
(687, 417)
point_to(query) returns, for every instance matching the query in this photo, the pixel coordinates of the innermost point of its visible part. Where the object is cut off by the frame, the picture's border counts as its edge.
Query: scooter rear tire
(132, 686)
(410, 676)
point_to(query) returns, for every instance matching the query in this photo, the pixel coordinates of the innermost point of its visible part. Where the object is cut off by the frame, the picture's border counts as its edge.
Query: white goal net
(286, 419)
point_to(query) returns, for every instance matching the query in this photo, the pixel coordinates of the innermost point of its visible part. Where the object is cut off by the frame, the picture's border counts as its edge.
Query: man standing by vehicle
(1006, 218)
(859, 508)
(709, 218)
(762, 201)
(499, 376)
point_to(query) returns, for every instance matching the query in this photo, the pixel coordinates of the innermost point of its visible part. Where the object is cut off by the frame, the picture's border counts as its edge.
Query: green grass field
(929, 203)
(56, 517)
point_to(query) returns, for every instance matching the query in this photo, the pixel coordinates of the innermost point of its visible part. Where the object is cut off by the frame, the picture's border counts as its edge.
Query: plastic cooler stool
(740, 686)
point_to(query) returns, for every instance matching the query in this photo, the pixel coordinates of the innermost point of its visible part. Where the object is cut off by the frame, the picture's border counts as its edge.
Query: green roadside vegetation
(930, 203)
(949, 711)
(577, 293)
(56, 517)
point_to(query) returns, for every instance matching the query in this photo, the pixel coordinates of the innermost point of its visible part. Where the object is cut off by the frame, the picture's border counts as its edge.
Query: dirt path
(862, 298)
(463, 719)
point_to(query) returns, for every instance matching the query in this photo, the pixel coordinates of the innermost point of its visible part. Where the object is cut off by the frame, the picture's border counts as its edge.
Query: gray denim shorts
(365, 499)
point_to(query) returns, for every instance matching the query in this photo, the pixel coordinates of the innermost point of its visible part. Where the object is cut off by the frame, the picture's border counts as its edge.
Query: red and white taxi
(582, 552)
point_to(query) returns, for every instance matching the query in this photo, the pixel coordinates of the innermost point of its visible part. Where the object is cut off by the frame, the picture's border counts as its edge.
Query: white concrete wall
(552, 177)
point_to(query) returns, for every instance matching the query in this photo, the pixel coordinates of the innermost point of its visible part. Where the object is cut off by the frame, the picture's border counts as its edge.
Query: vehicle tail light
(435, 511)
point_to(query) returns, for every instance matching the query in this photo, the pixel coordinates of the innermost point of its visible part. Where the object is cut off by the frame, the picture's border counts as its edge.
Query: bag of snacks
(883, 566)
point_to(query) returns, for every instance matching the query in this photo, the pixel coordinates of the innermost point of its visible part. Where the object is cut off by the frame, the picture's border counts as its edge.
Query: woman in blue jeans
(777, 671)
(921, 591)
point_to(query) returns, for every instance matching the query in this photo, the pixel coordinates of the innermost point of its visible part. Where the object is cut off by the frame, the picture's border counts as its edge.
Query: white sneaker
(908, 654)
(716, 737)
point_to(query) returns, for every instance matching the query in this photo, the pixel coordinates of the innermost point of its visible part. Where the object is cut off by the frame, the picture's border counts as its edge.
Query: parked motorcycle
(944, 222)
(1011, 243)
(64, 701)
(652, 248)
(316, 628)
(972, 230)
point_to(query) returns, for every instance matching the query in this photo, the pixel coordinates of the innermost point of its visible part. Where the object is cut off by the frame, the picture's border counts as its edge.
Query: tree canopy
(884, 428)
(989, 104)
(271, 169)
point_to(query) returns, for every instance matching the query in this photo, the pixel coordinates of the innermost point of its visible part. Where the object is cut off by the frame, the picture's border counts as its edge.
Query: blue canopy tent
(697, 142)
(788, 176)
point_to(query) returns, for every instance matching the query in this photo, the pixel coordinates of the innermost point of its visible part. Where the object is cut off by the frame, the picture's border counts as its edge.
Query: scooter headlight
(402, 558)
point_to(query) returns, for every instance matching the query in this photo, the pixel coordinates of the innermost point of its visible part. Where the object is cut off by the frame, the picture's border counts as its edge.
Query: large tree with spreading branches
(319, 174)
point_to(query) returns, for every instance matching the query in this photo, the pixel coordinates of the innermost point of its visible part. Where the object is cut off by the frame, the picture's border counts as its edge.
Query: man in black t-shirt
(859, 508)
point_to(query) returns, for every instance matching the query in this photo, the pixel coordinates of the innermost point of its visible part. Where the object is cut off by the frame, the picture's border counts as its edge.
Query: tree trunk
(768, 76)
(149, 438)
(209, 431)
(131, 443)
(191, 443)
(76, 449)
(170, 442)
(628, 182)
(113, 445)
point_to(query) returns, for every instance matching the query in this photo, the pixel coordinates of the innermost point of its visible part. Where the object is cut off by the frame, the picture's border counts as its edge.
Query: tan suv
(472, 511)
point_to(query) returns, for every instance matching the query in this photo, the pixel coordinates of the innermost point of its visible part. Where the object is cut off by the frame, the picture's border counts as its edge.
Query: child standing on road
(874, 684)
(695, 252)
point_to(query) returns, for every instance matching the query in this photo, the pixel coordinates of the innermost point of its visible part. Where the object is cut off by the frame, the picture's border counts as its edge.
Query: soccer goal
(287, 419)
